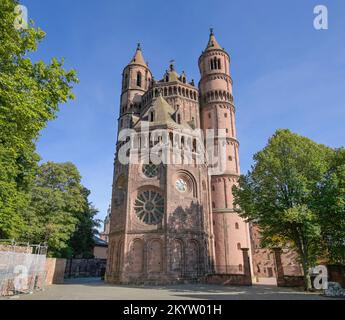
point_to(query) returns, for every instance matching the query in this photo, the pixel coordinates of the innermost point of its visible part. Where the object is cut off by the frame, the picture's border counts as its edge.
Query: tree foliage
(44, 203)
(285, 191)
(30, 95)
(81, 243)
(330, 205)
(56, 202)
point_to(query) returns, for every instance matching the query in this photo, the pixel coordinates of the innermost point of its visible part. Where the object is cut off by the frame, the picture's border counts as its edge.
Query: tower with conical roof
(136, 80)
(217, 111)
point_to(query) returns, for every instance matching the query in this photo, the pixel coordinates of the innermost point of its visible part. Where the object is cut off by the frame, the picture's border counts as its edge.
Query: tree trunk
(302, 249)
(306, 275)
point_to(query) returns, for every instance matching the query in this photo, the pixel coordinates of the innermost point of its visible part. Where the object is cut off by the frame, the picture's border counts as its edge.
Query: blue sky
(286, 74)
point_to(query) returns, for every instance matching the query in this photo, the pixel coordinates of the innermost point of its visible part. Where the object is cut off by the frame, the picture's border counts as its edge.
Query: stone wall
(284, 280)
(244, 279)
(55, 271)
(290, 281)
(264, 264)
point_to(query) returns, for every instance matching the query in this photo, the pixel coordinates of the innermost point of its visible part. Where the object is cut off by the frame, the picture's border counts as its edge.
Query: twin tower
(176, 222)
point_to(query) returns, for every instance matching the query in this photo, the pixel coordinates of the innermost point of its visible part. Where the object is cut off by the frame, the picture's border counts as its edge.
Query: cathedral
(175, 221)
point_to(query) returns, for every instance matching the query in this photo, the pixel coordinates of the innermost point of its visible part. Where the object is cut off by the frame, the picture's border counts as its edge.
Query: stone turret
(217, 112)
(136, 80)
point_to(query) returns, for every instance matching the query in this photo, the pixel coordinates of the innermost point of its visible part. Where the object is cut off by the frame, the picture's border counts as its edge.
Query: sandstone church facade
(176, 221)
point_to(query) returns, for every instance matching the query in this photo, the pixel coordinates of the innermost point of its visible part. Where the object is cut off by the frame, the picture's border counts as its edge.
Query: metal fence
(22, 267)
(84, 268)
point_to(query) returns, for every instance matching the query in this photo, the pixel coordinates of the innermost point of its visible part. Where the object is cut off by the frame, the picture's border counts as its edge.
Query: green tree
(330, 205)
(57, 205)
(278, 194)
(30, 95)
(82, 242)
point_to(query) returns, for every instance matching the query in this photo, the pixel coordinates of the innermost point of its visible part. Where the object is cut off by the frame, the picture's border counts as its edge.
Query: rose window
(149, 207)
(150, 170)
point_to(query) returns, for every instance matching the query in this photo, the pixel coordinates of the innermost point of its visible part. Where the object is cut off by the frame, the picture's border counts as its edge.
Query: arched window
(215, 63)
(237, 226)
(171, 138)
(139, 77)
(212, 66)
(219, 64)
(239, 246)
(152, 116)
(194, 145)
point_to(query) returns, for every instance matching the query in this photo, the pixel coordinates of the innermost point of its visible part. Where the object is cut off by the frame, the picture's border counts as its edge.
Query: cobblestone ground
(95, 289)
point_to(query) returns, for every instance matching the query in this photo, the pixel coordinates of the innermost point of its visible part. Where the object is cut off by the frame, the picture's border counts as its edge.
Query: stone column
(279, 266)
(246, 267)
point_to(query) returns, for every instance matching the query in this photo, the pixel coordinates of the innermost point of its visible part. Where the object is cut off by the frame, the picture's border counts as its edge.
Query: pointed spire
(212, 43)
(138, 57)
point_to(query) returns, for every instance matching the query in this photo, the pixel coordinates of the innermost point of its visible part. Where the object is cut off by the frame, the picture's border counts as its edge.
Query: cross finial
(211, 31)
(138, 46)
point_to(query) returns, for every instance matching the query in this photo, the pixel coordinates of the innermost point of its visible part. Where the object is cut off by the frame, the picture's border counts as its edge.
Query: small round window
(181, 185)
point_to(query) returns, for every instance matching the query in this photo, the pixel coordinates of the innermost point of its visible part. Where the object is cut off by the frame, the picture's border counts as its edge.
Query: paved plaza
(95, 289)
